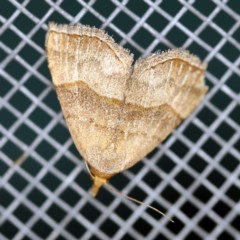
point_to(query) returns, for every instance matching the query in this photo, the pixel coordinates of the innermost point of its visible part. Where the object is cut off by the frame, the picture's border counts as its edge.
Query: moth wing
(175, 78)
(164, 89)
(89, 72)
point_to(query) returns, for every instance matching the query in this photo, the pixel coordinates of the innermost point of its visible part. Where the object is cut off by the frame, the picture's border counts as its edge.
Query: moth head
(98, 182)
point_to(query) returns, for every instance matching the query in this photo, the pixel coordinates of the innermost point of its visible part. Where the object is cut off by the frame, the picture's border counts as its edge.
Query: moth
(117, 111)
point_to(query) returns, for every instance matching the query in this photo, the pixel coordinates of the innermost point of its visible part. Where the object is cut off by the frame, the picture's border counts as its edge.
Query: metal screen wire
(193, 176)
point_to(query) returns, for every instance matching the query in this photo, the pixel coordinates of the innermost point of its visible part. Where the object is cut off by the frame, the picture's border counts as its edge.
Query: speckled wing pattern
(117, 113)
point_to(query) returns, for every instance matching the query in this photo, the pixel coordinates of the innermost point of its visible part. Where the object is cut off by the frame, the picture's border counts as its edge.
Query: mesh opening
(194, 175)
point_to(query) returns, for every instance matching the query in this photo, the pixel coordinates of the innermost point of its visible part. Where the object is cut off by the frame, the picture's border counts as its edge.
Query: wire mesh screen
(194, 176)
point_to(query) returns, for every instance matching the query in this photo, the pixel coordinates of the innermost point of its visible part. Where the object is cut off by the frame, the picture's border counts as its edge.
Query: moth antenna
(88, 169)
(98, 182)
(128, 197)
(20, 159)
(112, 189)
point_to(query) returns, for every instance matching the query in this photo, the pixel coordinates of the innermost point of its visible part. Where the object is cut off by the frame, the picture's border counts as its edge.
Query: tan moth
(117, 111)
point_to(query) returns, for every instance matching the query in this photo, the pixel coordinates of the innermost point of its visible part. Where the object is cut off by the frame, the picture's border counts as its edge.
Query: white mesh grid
(194, 175)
